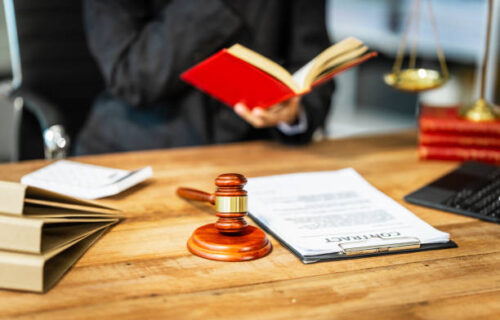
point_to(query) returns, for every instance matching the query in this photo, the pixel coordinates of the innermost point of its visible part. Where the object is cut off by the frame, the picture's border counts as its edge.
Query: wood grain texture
(143, 270)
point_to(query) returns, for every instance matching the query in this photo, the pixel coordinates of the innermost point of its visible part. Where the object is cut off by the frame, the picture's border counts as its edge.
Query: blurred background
(362, 103)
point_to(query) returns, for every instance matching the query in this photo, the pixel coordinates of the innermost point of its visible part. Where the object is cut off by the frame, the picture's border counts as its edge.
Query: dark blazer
(143, 46)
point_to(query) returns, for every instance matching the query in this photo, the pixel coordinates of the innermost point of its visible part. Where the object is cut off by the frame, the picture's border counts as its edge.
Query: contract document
(326, 215)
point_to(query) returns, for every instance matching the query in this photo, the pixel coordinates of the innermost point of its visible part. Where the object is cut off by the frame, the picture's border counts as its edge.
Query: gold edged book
(43, 233)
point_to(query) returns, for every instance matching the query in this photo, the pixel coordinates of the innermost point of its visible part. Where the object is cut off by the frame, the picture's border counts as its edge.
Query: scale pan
(415, 80)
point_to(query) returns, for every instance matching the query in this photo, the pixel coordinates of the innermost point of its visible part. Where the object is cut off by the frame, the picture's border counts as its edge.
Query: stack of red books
(444, 135)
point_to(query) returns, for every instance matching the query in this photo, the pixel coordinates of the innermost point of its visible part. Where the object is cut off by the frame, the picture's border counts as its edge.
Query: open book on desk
(336, 215)
(238, 74)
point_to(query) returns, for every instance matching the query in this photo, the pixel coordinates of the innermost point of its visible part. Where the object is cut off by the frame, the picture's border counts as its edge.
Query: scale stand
(482, 110)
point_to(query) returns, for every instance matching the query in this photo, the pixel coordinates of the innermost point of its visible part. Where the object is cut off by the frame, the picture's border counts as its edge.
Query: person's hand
(286, 111)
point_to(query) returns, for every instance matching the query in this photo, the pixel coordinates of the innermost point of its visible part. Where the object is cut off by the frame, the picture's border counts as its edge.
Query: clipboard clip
(392, 244)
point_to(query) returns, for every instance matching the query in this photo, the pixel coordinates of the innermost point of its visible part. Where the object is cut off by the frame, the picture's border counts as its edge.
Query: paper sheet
(84, 180)
(315, 212)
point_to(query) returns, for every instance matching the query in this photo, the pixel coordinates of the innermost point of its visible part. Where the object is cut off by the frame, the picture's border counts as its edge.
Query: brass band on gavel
(231, 204)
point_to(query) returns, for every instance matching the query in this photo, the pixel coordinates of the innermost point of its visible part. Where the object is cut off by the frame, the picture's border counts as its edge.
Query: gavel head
(230, 203)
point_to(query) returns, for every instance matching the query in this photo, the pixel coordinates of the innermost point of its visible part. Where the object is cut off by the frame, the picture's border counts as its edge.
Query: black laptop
(472, 189)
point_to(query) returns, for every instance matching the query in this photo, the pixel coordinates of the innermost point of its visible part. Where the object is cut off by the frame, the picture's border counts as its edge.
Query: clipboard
(362, 249)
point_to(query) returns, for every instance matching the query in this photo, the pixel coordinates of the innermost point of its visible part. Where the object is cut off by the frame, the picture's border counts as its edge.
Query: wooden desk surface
(142, 269)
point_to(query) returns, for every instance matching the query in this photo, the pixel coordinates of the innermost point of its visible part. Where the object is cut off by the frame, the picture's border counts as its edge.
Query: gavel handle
(197, 195)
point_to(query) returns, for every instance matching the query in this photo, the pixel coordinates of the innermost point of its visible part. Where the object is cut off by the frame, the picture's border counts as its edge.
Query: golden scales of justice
(415, 79)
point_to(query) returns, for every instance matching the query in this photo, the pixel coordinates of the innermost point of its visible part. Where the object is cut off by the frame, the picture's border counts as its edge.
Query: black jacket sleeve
(308, 38)
(141, 57)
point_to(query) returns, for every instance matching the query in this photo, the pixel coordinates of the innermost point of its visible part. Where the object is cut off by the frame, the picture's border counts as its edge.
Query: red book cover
(458, 153)
(447, 120)
(232, 80)
(459, 140)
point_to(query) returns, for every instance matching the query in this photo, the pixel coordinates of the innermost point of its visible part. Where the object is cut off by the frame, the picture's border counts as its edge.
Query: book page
(337, 61)
(264, 64)
(328, 73)
(300, 75)
(316, 212)
(336, 54)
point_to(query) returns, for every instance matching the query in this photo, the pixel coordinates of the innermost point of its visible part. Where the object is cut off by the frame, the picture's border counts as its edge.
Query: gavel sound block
(230, 238)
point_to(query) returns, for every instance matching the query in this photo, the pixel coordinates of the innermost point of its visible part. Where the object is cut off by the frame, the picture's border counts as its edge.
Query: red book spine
(445, 139)
(458, 154)
(447, 120)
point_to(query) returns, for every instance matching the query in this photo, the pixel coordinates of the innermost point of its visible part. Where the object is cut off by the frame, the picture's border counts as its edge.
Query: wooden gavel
(230, 201)
(230, 238)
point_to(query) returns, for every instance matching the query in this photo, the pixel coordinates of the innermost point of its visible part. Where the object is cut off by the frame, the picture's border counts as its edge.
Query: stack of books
(444, 135)
(43, 233)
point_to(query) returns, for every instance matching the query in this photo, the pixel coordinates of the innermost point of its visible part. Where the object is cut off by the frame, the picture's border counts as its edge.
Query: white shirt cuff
(297, 128)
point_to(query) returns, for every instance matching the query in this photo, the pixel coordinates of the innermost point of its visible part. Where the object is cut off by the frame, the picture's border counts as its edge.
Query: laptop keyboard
(479, 198)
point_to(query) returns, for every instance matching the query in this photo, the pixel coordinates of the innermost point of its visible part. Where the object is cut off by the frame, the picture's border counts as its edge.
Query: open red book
(239, 74)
